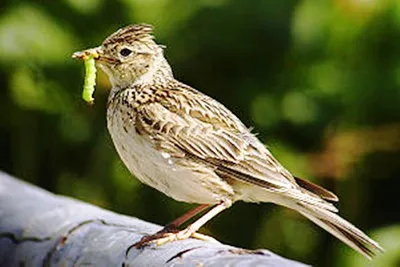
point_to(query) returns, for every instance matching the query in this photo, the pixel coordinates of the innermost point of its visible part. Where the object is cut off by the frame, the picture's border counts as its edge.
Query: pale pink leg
(187, 216)
(191, 229)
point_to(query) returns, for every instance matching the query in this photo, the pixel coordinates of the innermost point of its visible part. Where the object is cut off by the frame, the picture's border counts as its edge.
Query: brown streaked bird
(193, 149)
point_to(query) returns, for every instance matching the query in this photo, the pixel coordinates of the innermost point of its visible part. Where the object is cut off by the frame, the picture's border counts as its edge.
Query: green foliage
(318, 80)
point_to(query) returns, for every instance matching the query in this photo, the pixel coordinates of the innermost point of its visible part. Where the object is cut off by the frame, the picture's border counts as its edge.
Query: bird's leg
(168, 235)
(190, 231)
(172, 226)
(185, 217)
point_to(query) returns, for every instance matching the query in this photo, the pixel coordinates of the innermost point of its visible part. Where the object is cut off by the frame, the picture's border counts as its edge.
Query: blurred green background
(319, 80)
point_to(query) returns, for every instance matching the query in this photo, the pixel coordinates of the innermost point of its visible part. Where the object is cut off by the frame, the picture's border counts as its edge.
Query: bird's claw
(166, 236)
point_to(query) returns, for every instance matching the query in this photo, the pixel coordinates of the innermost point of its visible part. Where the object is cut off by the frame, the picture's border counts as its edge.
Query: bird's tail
(340, 228)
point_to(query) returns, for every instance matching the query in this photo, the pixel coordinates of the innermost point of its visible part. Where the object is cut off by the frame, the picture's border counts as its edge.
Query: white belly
(159, 170)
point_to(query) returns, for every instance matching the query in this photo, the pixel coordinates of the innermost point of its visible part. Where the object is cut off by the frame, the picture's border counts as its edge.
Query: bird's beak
(92, 52)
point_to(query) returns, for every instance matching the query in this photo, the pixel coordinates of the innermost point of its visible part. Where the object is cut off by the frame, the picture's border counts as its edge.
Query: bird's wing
(185, 122)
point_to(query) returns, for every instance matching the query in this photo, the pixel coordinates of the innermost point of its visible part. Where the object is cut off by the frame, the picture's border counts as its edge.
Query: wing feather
(187, 122)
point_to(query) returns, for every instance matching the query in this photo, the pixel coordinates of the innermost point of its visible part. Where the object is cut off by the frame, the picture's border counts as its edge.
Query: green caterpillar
(90, 79)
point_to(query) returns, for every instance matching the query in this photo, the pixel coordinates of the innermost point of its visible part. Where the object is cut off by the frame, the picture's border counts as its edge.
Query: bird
(193, 149)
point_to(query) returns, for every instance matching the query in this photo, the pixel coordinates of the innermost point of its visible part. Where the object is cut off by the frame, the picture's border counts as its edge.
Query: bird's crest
(131, 33)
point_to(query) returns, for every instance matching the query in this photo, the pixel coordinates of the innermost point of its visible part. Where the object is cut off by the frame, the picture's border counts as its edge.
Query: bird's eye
(125, 52)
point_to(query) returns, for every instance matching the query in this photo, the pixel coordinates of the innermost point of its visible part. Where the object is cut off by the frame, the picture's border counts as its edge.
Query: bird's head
(128, 55)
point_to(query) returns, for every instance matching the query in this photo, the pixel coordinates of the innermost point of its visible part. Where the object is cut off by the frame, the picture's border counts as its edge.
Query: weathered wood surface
(38, 228)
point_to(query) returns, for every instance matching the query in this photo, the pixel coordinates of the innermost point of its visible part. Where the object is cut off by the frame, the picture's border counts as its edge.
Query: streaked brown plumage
(190, 147)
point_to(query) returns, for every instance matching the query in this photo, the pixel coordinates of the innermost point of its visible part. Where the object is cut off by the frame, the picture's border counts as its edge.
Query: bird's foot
(182, 235)
(167, 235)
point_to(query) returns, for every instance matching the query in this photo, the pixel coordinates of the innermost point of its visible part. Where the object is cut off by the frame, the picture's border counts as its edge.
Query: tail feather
(341, 229)
(316, 189)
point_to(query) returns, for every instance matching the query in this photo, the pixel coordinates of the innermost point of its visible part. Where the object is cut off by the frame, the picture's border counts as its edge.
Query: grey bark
(38, 228)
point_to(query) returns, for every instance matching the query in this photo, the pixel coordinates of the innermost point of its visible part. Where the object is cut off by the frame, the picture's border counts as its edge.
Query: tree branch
(38, 228)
